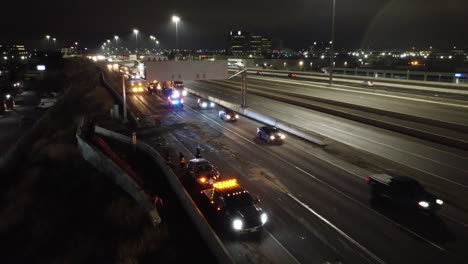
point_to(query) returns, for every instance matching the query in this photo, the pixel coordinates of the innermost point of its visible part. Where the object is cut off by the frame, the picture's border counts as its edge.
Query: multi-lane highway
(316, 197)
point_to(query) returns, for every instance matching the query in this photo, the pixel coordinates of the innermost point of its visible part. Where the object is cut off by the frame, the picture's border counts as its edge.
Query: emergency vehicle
(172, 97)
(234, 206)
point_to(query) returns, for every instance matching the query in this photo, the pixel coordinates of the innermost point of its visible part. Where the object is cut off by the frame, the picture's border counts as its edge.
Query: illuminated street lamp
(135, 31)
(54, 39)
(116, 42)
(48, 39)
(332, 52)
(176, 20)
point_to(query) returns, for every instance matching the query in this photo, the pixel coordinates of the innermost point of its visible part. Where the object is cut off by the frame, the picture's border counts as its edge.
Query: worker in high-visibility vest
(181, 160)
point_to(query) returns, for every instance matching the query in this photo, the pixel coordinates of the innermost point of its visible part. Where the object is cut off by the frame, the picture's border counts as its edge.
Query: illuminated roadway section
(318, 205)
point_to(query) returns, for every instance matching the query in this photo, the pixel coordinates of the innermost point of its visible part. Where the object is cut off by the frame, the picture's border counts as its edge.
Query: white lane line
(324, 183)
(368, 93)
(281, 245)
(350, 239)
(455, 220)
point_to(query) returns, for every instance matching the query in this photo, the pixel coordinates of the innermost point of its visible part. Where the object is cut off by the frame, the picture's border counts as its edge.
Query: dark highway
(318, 203)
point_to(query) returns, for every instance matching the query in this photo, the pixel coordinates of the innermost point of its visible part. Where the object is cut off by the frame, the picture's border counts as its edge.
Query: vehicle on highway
(172, 97)
(292, 75)
(270, 134)
(228, 115)
(235, 207)
(202, 172)
(403, 191)
(179, 86)
(259, 73)
(9, 101)
(137, 86)
(204, 103)
(368, 83)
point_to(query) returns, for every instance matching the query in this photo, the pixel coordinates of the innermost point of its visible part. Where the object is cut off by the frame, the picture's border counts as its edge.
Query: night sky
(290, 23)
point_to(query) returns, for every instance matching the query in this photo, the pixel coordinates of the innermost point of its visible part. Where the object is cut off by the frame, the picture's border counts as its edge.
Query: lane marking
(324, 183)
(403, 151)
(350, 239)
(367, 93)
(281, 245)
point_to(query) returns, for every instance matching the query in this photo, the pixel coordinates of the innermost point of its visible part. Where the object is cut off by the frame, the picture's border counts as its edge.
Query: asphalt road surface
(318, 205)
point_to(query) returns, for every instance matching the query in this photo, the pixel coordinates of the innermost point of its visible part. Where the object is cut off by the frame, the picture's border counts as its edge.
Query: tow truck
(235, 207)
(403, 191)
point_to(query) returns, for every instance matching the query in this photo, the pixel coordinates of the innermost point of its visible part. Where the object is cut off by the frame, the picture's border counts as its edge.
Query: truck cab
(235, 207)
(403, 191)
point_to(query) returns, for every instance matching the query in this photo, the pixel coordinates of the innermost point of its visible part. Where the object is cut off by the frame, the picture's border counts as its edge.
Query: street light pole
(124, 95)
(332, 51)
(54, 39)
(116, 43)
(176, 19)
(136, 40)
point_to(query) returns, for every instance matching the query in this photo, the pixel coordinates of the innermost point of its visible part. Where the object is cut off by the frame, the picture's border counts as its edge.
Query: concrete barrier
(404, 129)
(105, 165)
(455, 88)
(207, 233)
(264, 118)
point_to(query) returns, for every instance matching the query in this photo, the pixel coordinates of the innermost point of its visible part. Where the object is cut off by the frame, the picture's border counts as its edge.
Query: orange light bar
(226, 184)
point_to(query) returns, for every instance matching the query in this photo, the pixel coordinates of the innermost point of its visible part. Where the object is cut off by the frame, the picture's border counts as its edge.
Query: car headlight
(135, 89)
(438, 201)
(176, 94)
(184, 93)
(204, 105)
(228, 117)
(264, 218)
(8, 96)
(237, 224)
(423, 204)
(212, 104)
(237, 116)
(272, 137)
(282, 136)
(140, 89)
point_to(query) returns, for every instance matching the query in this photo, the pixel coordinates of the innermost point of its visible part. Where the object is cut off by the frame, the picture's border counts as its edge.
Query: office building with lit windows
(243, 43)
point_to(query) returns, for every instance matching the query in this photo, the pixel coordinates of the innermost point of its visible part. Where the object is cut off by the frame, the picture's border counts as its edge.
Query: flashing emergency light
(226, 184)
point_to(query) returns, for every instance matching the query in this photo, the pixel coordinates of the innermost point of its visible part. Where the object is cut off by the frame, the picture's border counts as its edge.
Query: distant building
(242, 43)
(13, 52)
(266, 46)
